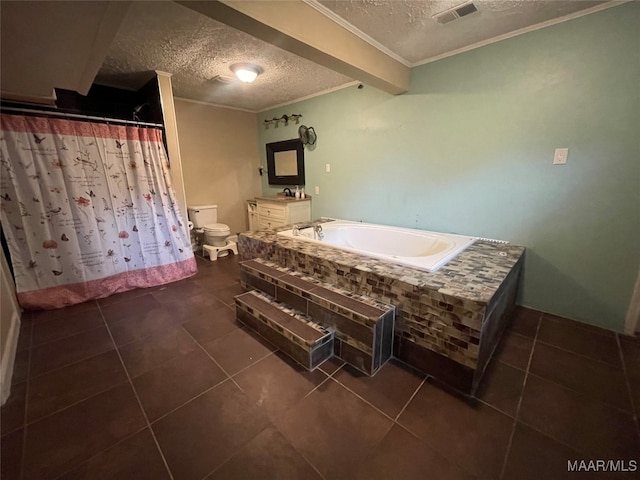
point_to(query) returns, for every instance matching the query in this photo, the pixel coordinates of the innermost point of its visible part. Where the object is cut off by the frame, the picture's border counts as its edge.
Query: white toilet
(216, 235)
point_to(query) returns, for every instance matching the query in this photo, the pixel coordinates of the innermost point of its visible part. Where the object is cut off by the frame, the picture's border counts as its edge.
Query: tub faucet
(317, 230)
(300, 226)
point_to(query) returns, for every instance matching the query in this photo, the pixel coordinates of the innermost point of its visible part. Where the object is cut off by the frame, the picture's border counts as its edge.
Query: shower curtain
(88, 210)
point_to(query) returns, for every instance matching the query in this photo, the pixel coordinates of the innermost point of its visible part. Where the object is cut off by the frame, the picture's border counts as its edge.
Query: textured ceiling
(172, 38)
(406, 28)
(169, 37)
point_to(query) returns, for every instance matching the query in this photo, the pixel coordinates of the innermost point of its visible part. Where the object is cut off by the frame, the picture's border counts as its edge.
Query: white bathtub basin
(414, 248)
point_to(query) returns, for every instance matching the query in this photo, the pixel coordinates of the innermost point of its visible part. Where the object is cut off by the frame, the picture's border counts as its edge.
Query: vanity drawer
(268, 222)
(272, 211)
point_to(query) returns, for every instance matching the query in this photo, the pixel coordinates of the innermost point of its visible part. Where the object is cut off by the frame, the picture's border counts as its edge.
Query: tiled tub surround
(293, 332)
(405, 246)
(362, 327)
(447, 322)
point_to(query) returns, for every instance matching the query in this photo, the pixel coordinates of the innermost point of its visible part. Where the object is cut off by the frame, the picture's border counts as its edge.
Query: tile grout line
(584, 394)
(336, 370)
(83, 359)
(67, 365)
(565, 387)
(309, 462)
(66, 407)
(28, 380)
(328, 378)
(517, 413)
(253, 364)
(74, 362)
(587, 327)
(229, 377)
(363, 399)
(271, 425)
(146, 418)
(317, 387)
(634, 407)
(547, 344)
(231, 457)
(493, 407)
(395, 420)
(204, 392)
(83, 462)
(415, 435)
(325, 380)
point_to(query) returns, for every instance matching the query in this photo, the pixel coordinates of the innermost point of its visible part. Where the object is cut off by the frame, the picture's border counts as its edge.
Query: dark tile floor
(163, 383)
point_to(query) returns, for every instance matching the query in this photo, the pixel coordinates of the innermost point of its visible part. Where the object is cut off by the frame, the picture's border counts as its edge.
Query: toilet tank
(202, 215)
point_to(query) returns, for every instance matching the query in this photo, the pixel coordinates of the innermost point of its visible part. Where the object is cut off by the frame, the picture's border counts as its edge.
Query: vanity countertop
(283, 199)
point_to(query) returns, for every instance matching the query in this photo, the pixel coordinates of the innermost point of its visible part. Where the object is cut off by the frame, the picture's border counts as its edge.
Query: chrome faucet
(300, 226)
(317, 230)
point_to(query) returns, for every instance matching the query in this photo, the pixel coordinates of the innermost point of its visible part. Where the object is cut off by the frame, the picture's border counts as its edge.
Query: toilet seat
(216, 228)
(216, 234)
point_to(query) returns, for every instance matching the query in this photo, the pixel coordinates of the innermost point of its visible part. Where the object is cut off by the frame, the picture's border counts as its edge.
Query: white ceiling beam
(299, 28)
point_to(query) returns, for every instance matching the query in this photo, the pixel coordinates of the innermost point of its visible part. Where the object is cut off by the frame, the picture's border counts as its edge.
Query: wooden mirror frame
(283, 146)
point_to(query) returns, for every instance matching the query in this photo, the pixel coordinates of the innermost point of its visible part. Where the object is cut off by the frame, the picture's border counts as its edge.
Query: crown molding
(521, 31)
(217, 105)
(357, 32)
(313, 95)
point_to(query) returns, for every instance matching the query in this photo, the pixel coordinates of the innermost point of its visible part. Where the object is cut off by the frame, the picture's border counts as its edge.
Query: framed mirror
(285, 162)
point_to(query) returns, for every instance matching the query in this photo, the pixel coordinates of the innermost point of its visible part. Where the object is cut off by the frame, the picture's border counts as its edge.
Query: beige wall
(9, 327)
(165, 89)
(220, 159)
(8, 303)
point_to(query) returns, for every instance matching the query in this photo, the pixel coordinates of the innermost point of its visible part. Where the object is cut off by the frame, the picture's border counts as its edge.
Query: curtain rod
(75, 115)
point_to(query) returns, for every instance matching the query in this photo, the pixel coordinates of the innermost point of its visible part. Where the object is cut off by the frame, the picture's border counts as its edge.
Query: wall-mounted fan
(307, 135)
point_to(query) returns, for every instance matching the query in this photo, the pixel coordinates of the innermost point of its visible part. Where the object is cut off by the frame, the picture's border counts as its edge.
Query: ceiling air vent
(454, 13)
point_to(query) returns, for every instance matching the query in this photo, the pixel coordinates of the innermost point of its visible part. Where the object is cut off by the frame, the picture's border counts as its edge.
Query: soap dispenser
(297, 192)
(302, 194)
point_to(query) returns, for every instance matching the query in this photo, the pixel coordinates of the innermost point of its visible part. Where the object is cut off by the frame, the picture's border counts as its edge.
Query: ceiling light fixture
(246, 72)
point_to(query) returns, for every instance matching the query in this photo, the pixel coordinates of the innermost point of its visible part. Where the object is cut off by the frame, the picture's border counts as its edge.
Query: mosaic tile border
(282, 282)
(255, 310)
(293, 313)
(362, 327)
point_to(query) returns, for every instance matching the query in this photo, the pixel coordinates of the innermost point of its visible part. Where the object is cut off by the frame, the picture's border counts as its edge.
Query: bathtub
(414, 248)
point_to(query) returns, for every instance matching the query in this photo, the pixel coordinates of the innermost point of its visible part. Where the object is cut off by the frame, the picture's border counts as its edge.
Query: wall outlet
(317, 190)
(560, 157)
(327, 167)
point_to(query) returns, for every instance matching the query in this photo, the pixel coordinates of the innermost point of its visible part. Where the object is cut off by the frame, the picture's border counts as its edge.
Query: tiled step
(292, 332)
(363, 327)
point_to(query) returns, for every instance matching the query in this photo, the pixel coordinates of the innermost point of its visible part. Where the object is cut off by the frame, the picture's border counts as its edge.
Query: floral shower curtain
(88, 210)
